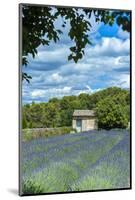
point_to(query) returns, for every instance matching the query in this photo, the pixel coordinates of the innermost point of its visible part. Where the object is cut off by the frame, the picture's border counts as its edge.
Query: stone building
(84, 120)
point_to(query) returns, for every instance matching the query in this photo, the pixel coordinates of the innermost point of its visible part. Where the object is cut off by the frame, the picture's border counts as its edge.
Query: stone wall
(88, 123)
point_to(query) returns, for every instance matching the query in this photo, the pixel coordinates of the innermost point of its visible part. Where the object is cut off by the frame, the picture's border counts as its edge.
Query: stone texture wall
(87, 123)
(74, 123)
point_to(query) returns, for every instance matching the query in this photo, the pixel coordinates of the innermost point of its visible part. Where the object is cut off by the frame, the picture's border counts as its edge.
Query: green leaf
(75, 59)
(70, 57)
(59, 31)
(73, 49)
(79, 55)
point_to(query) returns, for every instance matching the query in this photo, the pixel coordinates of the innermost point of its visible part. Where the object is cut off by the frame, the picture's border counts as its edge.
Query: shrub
(29, 134)
(31, 187)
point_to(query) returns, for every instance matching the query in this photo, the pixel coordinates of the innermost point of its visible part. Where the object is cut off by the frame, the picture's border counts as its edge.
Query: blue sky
(106, 63)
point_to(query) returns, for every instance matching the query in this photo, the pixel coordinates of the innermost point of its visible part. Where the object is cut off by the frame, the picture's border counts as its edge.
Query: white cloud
(124, 59)
(66, 89)
(51, 92)
(54, 55)
(123, 34)
(37, 93)
(89, 89)
(94, 25)
(112, 47)
(123, 81)
(56, 77)
(104, 65)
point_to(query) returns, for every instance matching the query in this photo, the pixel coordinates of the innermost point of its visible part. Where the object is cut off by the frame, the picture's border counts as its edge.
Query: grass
(76, 162)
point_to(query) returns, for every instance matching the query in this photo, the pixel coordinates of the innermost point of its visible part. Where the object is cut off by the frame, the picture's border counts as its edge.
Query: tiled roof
(83, 113)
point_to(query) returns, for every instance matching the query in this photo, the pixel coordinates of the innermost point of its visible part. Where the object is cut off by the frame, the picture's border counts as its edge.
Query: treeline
(112, 106)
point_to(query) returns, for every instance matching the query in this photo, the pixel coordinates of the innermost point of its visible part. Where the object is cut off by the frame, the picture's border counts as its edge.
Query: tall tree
(38, 27)
(112, 112)
(112, 107)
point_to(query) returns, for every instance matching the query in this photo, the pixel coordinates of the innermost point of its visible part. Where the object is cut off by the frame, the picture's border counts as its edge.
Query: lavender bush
(76, 162)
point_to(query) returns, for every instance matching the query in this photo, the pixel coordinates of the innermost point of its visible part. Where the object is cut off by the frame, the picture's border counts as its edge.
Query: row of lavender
(85, 161)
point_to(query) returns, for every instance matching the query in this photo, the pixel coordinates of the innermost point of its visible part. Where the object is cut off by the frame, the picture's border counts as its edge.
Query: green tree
(35, 115)
(66, 111)
(112, 106)
(84, 100)
(24, 122)
(30, 125)
(111, 113)
(38, 27)
(51, 115)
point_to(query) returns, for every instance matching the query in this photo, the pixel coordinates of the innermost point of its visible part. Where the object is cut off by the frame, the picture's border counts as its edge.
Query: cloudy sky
(106, 63)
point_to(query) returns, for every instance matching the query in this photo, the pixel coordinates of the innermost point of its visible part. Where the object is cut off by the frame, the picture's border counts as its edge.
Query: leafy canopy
(112, 113)
(38, 28)
(112, 106)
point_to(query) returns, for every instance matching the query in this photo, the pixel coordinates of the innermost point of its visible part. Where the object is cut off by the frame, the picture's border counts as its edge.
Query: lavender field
(76, 162)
